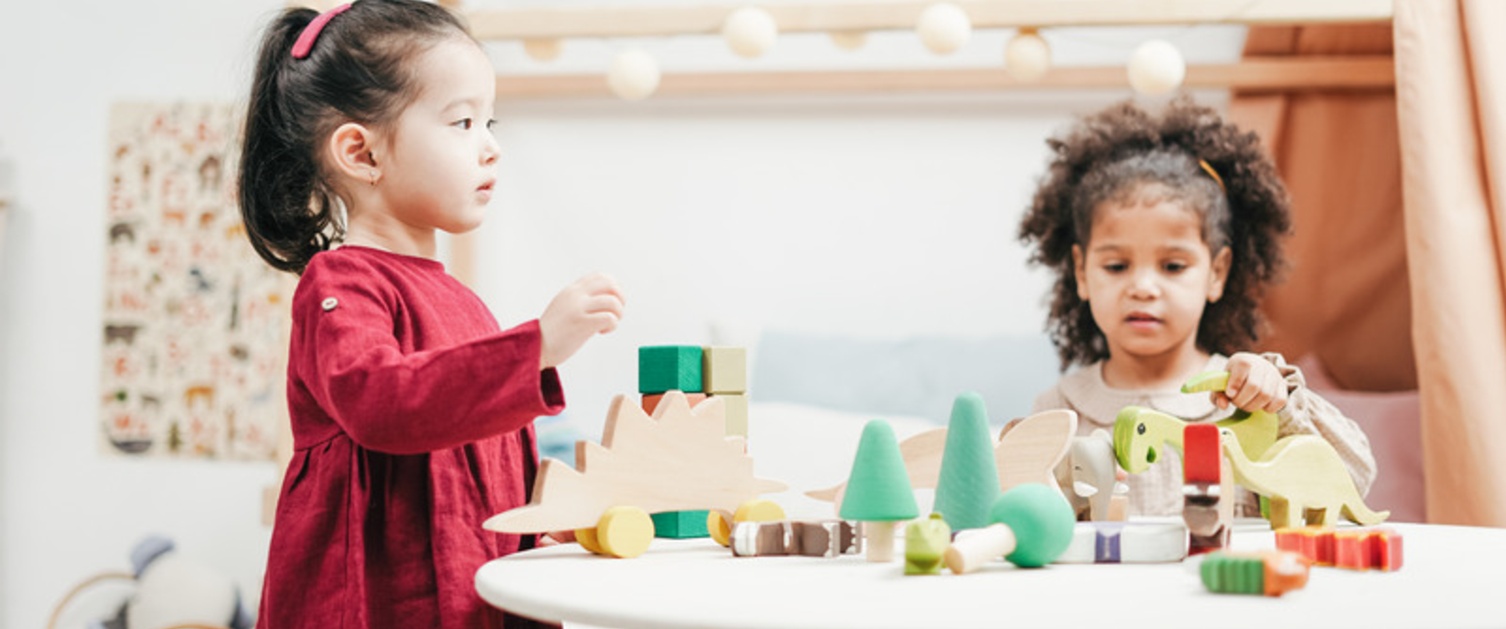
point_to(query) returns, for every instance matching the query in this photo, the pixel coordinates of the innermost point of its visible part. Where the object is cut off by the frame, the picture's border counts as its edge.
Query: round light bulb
(944, 27)
(1156, 67)
(634, 75)
(1027, 57)
(543, 50)
(750, 31)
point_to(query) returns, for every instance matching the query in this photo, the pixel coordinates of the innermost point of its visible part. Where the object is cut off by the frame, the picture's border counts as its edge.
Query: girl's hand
(590, 306)
(1254, 385)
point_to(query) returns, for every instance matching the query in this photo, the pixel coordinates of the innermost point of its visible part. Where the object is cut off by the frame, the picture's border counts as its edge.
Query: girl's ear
(1220, 274)
(350, 152)
(1080, 271)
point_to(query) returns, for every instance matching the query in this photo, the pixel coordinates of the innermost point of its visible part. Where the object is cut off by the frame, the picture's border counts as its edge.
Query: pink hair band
(305, 43)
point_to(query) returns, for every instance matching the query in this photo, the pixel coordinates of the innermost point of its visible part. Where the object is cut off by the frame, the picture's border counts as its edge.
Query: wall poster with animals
(194, 327)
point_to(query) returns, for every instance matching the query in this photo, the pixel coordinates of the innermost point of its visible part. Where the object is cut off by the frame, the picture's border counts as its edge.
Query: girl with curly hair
(1163, 230)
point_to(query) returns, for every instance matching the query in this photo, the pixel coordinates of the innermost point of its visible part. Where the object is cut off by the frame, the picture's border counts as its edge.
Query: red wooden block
(1200, 454)
(1314, 543)
(1384, 549)
(1350, 550)
(651, 401)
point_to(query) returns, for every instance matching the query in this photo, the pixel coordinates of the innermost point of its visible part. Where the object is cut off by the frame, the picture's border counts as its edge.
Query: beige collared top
(1158, 490)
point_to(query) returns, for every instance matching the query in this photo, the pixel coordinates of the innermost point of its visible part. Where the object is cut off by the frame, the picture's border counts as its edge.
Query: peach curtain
(1345, 298)
(1451, 99)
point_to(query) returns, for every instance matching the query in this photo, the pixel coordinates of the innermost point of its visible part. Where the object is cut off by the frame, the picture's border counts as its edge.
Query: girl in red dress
(411, 409)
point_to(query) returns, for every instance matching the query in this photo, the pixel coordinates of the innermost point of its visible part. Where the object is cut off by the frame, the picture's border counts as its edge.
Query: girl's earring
(373, 178)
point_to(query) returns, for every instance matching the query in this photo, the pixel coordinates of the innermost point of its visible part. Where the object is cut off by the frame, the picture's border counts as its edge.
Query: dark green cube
(680, 524)
(669, 367)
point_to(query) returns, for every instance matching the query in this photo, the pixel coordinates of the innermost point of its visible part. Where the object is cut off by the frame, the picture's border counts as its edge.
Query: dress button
(330, 303)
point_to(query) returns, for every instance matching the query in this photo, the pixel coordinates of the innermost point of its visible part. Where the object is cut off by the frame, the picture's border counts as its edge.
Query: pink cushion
(1392, 421)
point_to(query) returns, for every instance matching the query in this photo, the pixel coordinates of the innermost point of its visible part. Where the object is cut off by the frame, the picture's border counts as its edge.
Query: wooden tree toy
(968, 483)
(1305, 479)
(680, 459)
(1026, 452)
(1032, 526)
(878, 489)
(1271, 572)
(1207, 490)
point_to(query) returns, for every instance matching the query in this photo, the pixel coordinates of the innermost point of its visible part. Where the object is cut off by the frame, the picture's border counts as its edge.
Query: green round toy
(1041, 521)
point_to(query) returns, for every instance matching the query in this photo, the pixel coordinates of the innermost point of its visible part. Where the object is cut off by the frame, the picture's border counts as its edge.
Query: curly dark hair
(1125, 152)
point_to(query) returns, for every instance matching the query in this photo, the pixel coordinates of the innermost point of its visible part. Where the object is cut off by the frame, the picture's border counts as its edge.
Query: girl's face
(1147, 275)
(441, 156)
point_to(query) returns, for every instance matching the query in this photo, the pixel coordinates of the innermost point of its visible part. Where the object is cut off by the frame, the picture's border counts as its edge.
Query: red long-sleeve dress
(412, 423)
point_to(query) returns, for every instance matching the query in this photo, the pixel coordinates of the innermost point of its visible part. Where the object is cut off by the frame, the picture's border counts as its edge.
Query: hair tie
(305, 43)
(1207, 168)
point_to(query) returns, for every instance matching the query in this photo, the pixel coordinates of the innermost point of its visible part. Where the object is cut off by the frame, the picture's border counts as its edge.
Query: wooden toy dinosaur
(1027, 452)
(679, 459)
(1140, 432)
(1304, 478)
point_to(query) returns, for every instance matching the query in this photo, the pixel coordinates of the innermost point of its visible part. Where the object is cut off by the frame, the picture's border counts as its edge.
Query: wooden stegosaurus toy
(680, 459)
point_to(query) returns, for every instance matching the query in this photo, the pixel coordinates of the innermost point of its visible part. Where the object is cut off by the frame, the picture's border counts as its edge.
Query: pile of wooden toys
(995, 498)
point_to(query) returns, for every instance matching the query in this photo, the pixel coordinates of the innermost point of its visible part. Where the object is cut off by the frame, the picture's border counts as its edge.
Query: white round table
(1445, 582)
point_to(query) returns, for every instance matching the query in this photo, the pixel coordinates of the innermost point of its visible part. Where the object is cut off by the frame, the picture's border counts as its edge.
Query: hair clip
(1208, 168)
(305, 42)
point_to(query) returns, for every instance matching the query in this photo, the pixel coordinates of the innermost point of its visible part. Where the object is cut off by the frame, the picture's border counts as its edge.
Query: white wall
(876, 217)
(66, 510)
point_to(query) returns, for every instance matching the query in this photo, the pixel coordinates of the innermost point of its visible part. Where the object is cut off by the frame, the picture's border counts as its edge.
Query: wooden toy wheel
(624, 532)
(757, 510)
(588, 541)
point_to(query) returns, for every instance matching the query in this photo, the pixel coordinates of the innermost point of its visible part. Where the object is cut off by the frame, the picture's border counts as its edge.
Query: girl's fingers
(605, 302)
(602, 322)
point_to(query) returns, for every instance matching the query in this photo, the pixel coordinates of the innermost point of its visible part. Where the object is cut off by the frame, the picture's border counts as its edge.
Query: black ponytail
(358, 70)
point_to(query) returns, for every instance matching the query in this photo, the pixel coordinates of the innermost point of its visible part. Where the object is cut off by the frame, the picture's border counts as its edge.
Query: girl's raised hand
(591, 305)
(1254, 385)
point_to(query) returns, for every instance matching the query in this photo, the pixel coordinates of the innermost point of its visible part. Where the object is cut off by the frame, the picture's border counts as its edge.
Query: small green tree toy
(878, 489)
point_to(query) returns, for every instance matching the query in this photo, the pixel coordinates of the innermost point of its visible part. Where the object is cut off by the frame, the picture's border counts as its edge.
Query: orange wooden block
(650, 402)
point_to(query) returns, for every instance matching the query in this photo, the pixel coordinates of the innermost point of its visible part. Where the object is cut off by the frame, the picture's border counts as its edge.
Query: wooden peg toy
(1032, 526)
(975, 547)
(1207, 490)
(878, 490)
(1272, 572)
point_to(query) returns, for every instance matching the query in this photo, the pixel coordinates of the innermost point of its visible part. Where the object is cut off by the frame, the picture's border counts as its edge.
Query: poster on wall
(195, 324)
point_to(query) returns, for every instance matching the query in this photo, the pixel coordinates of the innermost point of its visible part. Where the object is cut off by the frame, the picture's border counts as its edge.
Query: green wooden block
(669, 368)
(725, 369)
(680, 524)
(1233, 574)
